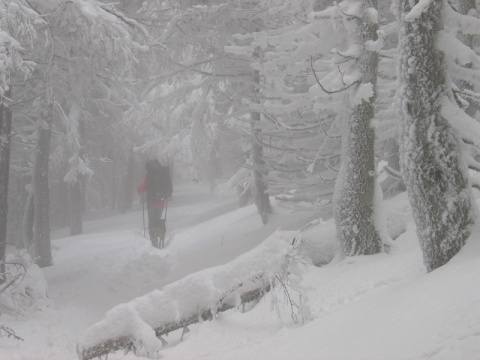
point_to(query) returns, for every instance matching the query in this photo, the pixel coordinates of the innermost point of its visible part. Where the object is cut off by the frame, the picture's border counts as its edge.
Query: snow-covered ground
(381, 307)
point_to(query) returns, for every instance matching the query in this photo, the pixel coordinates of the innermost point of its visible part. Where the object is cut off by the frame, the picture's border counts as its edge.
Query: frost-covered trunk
(355, 188)
(5, 135)
(430, 151)
(260, 173)
(466, 7)
(75, 195)
(41, 202)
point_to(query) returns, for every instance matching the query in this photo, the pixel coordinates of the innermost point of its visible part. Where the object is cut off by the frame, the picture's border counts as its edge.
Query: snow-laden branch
(466, 24)
(419, 8)
(468, 128)
(456, 50)
(331, 91)
(15, 30)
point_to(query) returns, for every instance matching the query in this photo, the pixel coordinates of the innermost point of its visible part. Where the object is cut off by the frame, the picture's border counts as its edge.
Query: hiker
(158, 187)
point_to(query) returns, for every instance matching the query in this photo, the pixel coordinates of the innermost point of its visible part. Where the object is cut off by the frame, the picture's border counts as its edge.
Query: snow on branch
(421, 7)
(456, 50)
(466, 24)
(468, 128)
(331, 91)
(101, 32)
(16, 32)
(136, 325)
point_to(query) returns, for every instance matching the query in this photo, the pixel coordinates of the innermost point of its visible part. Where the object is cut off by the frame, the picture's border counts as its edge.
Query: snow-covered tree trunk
(5, 135)
(41, 202)
(355, 188)
(430, 151)
(262, 199)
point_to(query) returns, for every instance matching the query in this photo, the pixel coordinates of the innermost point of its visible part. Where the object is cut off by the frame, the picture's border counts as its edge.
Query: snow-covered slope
(371, 307)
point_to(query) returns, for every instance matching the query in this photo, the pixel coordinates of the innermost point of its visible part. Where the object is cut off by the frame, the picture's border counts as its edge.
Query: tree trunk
(75, 207)
(430, 151)
(355, 188)
(41, 202)
(27, 221)
(5, 136)
(262, 199)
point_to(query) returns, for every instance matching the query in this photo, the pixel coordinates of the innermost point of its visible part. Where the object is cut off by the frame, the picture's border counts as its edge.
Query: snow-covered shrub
(25, 288)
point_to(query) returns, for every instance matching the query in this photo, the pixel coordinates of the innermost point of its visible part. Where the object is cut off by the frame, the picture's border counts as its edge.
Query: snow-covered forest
(324, 158)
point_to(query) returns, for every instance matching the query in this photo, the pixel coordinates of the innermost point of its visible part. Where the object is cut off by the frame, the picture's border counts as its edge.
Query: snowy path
(112, 263)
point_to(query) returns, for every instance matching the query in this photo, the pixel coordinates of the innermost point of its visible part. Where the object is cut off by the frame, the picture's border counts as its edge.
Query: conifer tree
(431, 154)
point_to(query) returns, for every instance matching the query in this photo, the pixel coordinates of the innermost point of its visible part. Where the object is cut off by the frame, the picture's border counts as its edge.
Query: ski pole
(166, 206)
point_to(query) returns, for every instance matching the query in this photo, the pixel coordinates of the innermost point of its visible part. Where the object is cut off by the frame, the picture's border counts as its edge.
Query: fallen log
(140, 324)
(128, 343)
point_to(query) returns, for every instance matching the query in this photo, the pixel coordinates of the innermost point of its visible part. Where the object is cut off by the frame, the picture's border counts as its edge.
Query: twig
(325, 90)
(9, 333)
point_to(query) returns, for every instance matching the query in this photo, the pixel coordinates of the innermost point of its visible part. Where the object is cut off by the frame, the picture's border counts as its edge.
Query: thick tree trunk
(355, 189)
(41, 236)
(260, 173)
(430, 152)
(5, 135)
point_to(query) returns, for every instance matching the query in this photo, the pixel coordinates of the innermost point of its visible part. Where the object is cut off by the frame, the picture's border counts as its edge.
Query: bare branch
(325, 90)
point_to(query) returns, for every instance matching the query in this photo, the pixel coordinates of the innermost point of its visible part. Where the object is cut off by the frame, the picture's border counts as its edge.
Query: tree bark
(261, 196)
(5, 137)
(41, 202)
(430, 152)
(355, 188)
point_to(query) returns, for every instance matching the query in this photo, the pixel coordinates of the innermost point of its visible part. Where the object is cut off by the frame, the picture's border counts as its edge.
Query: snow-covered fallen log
(137, 345)
(138, 324)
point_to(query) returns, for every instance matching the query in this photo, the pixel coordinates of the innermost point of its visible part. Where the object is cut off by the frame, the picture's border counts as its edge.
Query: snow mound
(319, 242)
(27, 290)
